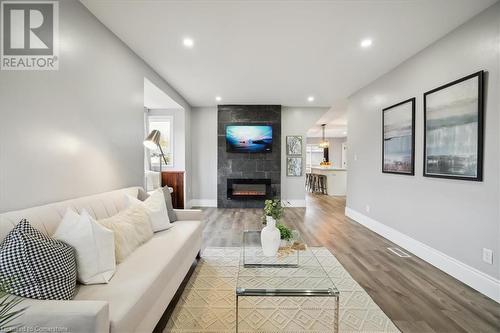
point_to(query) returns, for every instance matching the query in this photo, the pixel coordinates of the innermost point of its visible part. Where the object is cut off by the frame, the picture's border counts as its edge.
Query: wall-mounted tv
(249, 138)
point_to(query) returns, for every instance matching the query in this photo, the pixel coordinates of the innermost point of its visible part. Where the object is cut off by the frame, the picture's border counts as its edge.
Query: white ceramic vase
(270, 238)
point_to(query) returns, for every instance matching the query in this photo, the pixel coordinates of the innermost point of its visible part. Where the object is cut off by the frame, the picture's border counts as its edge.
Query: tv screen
(249, 138)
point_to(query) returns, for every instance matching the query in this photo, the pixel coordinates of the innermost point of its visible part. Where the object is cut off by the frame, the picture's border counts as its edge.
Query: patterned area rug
(208, 302)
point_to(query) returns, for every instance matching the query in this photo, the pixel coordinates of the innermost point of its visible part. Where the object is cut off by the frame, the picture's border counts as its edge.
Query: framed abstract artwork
(453, 129)
(294, 145)
(293, 166)
(398, 147)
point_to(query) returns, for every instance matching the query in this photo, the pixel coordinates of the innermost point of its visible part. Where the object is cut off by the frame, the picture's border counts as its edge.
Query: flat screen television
(249, 138)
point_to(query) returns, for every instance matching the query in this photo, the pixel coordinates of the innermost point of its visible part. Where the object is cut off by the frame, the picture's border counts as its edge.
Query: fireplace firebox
(242, 189)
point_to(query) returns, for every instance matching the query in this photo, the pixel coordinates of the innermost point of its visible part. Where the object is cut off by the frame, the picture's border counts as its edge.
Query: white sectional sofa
(143, 285)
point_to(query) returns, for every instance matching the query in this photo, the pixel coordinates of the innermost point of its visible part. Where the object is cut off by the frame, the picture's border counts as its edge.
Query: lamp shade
(152, 140)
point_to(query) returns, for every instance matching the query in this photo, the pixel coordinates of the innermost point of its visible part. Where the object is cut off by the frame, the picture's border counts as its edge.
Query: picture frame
(398, 138)
(294, 145)
(453, 129)
(293, 166)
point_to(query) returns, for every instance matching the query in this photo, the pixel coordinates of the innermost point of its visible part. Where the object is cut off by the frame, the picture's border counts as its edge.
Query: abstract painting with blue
(249, 138)
(398, 123)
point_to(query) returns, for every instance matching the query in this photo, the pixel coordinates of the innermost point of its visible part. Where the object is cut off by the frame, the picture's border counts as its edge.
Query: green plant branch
(274, 209)
(285, 232)
(8, 303)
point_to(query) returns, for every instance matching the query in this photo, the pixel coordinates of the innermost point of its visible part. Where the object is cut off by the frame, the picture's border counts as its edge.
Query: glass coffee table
(291, 273)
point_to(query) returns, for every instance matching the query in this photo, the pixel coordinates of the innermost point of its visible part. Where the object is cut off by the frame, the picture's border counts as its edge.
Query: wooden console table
(175, 180)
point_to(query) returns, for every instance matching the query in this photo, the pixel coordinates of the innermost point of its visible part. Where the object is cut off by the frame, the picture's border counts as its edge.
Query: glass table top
(289, 273)
(253, 255)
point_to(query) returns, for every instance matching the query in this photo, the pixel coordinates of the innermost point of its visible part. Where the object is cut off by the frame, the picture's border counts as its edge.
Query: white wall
(179, 129)
(204, 156)
(296, 121)
(334, 150)
(188, 190)
(448, 222)
(78, 130)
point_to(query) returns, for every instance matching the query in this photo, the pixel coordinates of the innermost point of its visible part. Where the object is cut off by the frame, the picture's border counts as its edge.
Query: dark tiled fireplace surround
(247, 167)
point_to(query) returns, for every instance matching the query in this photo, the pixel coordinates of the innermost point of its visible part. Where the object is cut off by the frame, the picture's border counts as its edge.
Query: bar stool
(308, 182)
(315, 182)
(322, 184)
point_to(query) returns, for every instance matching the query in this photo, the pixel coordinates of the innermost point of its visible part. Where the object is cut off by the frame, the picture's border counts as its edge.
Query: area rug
(207, 305)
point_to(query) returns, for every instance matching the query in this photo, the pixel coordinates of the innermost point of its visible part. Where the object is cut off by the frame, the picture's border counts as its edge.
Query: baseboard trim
(203, 203)
(293, 203)
(484, 283)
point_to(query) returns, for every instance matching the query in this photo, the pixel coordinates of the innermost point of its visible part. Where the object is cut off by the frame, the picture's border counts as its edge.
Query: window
(164, 124)
(314, 156)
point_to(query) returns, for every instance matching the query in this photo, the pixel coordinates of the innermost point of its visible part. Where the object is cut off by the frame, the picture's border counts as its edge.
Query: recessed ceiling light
(218, 98)
(188, 42)
(365, 43)
(310, 99)
(345, 133)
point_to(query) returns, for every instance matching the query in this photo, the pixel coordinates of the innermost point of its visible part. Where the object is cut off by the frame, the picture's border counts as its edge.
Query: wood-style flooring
(416, 296)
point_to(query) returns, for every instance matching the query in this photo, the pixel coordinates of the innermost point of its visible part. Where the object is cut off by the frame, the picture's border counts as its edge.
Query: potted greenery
(285, 234)
(8, 311)
(270, 236)
(273, 210)
(274, 233)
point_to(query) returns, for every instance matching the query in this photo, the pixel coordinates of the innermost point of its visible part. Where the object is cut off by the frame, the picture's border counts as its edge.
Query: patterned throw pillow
(36, 266)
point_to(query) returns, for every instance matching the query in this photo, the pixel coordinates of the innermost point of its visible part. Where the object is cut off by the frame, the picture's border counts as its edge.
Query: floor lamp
(152, 141)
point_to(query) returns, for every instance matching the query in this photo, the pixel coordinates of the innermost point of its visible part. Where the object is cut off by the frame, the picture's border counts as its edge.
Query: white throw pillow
(94, 246)
(132, 228)
(156, 208)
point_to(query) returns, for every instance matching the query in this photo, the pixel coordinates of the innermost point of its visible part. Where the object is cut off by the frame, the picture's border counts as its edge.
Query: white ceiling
(278, 52)
(155, 98)
(335, 120)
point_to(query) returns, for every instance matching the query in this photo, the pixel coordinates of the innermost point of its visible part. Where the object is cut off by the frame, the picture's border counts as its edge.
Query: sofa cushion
(168, 202)
(94, 246)
(156, 208)
(143, 276)
(131, 227)
(36, 266)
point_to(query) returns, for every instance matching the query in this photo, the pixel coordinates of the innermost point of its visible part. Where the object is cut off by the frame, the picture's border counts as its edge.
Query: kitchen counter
(328, 168)
(336, 179)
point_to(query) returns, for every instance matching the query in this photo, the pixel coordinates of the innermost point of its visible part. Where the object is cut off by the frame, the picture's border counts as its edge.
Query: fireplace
(241, 189)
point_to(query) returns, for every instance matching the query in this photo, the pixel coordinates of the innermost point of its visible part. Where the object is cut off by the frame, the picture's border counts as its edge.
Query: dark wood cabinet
(175, 180)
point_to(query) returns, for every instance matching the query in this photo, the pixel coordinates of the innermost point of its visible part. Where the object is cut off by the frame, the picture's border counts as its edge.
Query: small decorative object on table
(285, 234)
(290, 241)
(270, 238)
(270, 235)
(285, 256)
(277, 238)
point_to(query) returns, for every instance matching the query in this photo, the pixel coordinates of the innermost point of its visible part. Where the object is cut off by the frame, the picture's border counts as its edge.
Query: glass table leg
(337, 306)
(237, 319)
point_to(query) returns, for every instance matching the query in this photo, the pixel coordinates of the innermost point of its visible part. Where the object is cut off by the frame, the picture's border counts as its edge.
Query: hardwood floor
(415, 295)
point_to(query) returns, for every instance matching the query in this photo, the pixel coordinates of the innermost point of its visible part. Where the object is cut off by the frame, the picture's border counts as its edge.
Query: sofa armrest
(189, 214)
(65, 316)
